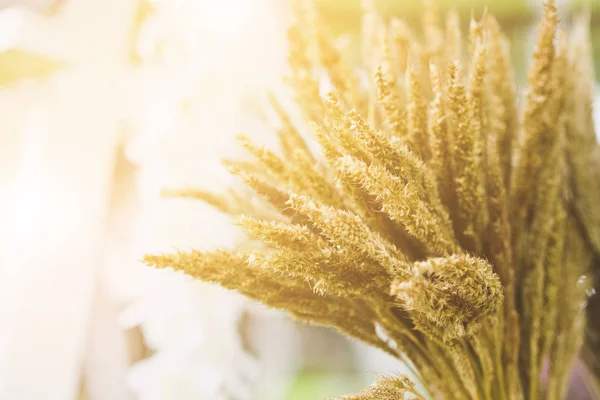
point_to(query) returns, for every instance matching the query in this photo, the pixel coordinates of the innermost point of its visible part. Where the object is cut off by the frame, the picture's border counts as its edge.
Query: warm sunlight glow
(46, 209)
(10, 22)
(184, 182)
(230, 17)
(224, 25)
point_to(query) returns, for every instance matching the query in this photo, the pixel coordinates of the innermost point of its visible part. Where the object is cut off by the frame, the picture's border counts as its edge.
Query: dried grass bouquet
(440, 219)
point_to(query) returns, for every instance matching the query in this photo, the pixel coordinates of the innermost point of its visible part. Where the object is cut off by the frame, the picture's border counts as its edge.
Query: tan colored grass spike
(220, 202)
(583, 74)
(441, 142)
(500, 253)
(402, 39)
(417, 139)
(273, 196)
(342, 76)
(389, 100)
(290, 137)
(475, 35)
(328, 143)
(484, 348)
(360, 140)
(479, 125)
(432, 31)
(305, 85)
(570, 321)
(215, 267)
(272, 289)
(534, 118)
(549, 191)
(267, 286)
(302, 177)
(554, 269)
(397, 388)
(269, 160)
(318, 183)
(470, 193)
(401, 202)
(498, 245)
(372, 29)
(375, 50)
(283, 235)
(451, 384)
(394, 156)
(463, 365)
(340, 129)
(502, 97)
(360, 202)
(322, 270)
(453, 44)
(232, 202)
(248, 166)
(476, 95)
(397, 159)
(346, 230)
(534, 273)
(581, 134)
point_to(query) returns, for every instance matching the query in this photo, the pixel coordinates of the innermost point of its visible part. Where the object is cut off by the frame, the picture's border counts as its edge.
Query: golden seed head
(455, 293)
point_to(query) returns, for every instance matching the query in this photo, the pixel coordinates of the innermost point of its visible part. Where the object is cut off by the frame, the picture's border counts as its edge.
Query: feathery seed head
(454, 293)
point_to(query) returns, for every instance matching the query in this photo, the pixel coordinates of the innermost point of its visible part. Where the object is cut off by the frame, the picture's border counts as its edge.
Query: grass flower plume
(438, 220)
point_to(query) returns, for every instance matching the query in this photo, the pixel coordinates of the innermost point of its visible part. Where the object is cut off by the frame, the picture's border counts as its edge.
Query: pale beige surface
(83, 157)
(55, 191)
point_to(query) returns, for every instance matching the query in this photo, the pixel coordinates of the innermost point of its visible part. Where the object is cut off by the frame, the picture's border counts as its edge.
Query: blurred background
(106, 103)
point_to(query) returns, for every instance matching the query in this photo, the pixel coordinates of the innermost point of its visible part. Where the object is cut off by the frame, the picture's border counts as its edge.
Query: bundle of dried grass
(440, 222)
